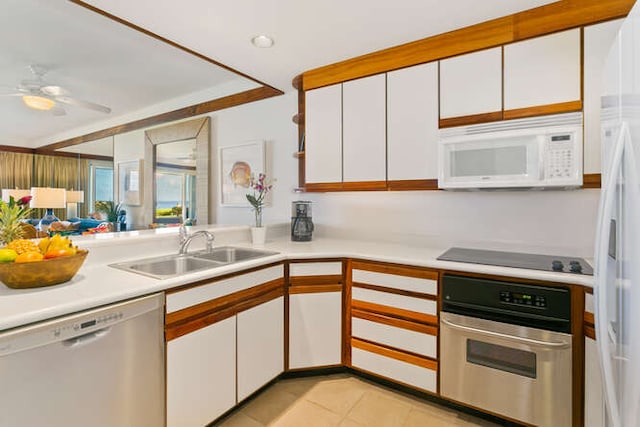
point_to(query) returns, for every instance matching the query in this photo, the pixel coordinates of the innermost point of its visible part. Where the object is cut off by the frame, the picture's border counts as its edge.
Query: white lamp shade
(17, 194)
(48, 198)
(75, 196)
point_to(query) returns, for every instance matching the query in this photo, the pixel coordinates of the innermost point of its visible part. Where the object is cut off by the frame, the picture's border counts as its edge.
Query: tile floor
(342, 400)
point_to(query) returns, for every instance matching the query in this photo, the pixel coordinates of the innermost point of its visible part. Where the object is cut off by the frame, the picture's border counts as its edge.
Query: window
(102, 183)
(175, 194)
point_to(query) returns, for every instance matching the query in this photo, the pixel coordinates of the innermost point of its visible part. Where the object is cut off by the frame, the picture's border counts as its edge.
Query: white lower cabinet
(394, 369)
(260, 346)
(201, 375)
(315, 329)
(594, 410)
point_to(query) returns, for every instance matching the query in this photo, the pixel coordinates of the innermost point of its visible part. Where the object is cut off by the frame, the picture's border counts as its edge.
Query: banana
(56, 242)
(43, 245)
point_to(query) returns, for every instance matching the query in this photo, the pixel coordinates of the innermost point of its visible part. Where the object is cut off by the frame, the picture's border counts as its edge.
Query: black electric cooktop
(519, 260)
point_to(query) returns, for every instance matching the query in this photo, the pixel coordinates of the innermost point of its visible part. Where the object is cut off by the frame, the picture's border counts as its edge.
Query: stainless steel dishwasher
(101, 368)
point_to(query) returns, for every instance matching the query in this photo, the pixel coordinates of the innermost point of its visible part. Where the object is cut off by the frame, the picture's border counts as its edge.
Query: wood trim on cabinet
(314, 289)
(393, 353)
(412, 184)
(540, 21)
(540, 110)
(590, 331)
(196, 317)
(470, 120)
(388, 290)
(392, 321)
(365, 186)
(315, 280)
(193, 110)
(591, 180)
(322, 187)
(509, 279)
(409, 315)
(396, 269)
(589, 318)
(286, 315)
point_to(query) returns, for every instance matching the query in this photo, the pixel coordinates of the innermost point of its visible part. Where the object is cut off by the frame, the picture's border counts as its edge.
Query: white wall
(128, 147)
(549, 221)
(268, 120)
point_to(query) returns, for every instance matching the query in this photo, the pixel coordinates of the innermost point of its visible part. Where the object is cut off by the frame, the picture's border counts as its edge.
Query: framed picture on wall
(130, 188)
(237, 164)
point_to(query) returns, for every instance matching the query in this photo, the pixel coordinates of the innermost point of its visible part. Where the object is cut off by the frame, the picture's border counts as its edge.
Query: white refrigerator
(617, 254)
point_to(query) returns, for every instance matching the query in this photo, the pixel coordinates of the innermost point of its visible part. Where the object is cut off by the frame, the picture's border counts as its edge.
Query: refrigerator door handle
(603, 328)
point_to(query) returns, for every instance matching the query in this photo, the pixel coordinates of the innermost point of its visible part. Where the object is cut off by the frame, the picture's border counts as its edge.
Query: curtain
(62, 172)
(15, 170)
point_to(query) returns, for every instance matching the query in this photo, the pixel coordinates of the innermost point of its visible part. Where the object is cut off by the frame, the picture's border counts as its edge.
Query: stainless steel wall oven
(506, 348)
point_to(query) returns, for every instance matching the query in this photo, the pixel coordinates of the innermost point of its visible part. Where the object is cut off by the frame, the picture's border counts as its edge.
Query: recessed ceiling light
(262, 41)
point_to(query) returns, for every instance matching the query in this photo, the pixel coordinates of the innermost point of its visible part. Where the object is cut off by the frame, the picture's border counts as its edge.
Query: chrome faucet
(186, 240)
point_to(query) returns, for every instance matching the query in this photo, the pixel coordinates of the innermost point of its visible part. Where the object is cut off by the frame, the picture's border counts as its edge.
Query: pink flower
(24, 200)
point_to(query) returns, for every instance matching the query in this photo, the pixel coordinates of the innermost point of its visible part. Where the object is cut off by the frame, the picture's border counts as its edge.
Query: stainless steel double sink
(163, 267)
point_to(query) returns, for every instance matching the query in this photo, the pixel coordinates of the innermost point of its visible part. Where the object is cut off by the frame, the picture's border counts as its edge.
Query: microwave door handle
(530, 341)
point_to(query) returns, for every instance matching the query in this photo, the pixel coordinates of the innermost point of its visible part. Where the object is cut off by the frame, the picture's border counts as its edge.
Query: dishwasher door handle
(86, 338)
(530, 341)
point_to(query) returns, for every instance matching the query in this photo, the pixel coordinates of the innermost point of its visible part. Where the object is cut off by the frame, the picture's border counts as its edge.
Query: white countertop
(98, 284)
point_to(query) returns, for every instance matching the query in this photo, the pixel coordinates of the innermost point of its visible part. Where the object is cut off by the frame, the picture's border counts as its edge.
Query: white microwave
(539, 152)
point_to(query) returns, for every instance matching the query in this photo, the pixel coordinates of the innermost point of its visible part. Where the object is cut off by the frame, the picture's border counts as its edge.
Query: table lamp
(17, 194)
(73, 198)
(49, 199)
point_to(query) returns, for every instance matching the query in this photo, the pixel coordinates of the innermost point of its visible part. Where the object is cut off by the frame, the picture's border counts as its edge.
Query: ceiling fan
(38, 94)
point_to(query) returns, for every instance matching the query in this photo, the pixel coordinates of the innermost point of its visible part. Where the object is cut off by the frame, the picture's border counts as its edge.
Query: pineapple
(10, 228)
(10, 215)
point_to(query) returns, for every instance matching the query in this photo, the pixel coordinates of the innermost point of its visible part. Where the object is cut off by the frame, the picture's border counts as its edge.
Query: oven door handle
(530, 341)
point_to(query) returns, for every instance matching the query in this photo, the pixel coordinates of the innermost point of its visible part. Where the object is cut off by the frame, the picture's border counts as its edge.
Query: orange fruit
(55, 253)
(31, 256)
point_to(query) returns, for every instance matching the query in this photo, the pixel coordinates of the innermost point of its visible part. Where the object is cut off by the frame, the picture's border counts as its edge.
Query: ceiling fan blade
(58, 111)
(81, 103)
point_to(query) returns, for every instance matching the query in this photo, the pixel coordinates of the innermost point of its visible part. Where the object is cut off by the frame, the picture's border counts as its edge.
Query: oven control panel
(520, 298)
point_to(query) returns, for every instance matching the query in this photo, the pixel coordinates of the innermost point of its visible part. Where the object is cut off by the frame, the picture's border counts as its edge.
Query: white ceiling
(105, 62)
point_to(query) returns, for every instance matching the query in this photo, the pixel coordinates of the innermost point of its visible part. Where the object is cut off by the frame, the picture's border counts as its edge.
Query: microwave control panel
(560, 157)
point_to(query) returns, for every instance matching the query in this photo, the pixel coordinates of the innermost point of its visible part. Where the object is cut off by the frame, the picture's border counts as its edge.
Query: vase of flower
(260, 189)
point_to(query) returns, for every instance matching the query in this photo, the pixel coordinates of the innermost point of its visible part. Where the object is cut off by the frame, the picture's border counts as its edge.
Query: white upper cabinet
(412, 123)
(323, 134)
(542, 71)
(364, 129)
(598, 41)
(471, 84)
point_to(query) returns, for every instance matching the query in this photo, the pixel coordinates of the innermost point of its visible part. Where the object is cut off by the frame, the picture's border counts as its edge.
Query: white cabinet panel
(323, 134)
(315, 329)
(402, 339)
(406, 283)
(471, 84)
(204, 293)
(412, 123)
(394, 369)
(594, 408)
(598, 40)
(364, 129)
(201, 375)
(315, 268)
(543, 70)
(260, 346)
(393, 300)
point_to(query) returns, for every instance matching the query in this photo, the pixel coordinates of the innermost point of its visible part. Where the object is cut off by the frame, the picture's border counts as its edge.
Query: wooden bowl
(37, 274)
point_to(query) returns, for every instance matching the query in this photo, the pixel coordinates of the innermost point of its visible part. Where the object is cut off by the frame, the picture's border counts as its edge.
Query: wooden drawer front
(397, 301)
(315, 268)
(392, 336)
(404, 283)
(200, 294)
(394, 369)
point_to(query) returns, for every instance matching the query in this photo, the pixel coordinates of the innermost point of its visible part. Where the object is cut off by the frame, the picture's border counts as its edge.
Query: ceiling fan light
(38, 102)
